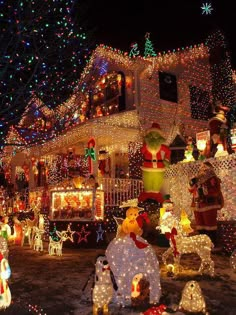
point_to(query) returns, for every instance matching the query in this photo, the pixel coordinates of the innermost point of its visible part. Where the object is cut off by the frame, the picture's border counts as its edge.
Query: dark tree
(43, 49)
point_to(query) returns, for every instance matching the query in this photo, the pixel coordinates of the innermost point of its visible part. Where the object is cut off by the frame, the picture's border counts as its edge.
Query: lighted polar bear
(128, 256)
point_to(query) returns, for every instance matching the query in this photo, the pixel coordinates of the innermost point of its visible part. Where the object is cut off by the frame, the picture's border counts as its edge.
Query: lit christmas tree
(148, 49)
(43, 50)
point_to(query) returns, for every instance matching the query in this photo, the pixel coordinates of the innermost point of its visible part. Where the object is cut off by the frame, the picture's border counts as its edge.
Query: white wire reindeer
(55, 247)
(197, 244)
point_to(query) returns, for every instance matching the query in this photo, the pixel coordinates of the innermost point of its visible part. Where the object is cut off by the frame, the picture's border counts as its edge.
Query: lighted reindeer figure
(55, 246)
(37, 242)
(197, 244)
(29, 226)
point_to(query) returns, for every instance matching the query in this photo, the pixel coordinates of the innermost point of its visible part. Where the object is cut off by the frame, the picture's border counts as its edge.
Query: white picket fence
(117, 190)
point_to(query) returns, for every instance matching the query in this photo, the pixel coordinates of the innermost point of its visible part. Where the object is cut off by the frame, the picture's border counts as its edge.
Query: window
(168, 87)
(199, 103)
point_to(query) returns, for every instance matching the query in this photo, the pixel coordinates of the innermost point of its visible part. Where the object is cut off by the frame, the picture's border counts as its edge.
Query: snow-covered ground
(52, 285)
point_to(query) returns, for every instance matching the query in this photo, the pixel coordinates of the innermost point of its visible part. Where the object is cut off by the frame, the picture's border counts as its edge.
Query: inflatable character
(156, 158)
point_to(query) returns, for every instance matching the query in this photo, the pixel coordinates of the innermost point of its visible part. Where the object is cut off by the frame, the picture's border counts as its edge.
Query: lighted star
(83, 235)
(66, 235)
(206, 8)
(100, 232)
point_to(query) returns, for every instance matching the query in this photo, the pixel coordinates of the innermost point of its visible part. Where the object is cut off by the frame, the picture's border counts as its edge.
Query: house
(99, 130)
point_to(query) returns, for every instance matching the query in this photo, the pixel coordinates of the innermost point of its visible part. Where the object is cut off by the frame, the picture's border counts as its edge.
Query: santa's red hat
(156, 128)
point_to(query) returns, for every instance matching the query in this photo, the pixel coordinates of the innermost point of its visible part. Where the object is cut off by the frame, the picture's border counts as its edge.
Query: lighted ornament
(197, 244)
(104, 286)
(5, 273)
(192, 299)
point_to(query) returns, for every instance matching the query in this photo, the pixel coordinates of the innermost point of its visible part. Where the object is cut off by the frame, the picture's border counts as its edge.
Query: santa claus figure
(156, 158)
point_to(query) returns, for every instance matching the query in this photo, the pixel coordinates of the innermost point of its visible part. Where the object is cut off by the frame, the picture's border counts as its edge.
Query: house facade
(99, 130)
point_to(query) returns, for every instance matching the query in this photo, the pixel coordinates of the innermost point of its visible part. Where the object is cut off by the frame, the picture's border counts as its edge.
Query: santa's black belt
(153, 161)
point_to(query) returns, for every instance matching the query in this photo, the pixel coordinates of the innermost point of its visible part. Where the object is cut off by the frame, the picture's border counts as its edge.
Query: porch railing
(117, 190)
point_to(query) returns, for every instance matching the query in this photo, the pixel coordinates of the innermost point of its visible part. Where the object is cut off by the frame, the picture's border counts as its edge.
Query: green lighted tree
(148, 49)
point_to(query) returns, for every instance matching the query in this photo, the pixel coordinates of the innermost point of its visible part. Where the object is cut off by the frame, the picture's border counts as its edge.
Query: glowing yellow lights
(192, 299)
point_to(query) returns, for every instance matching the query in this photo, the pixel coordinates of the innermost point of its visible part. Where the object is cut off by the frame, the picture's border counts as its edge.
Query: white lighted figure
(197, 244)
(104, 286)
(5, 273)
(192, 299)
(37, 241)
(127, 258)
(55, 247)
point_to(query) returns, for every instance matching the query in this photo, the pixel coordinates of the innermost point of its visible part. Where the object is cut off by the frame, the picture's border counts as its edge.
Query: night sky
(172, 24)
